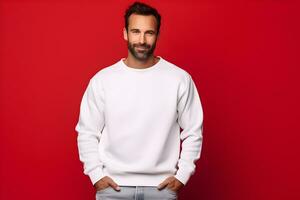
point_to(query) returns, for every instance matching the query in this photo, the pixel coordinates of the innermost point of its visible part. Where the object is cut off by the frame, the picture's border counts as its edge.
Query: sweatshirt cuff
(183, 176)
(95, 175)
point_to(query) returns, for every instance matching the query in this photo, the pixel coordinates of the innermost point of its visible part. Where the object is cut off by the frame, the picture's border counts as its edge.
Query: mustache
(146, 46)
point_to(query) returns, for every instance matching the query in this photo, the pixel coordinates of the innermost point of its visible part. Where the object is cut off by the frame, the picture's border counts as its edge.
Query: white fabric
(129, 124)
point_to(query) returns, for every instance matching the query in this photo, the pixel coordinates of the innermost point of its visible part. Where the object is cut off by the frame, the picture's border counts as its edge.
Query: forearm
(190, 153)
(88, 142)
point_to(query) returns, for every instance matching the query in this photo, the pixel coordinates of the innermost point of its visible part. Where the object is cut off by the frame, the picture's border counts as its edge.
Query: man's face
(141, 36)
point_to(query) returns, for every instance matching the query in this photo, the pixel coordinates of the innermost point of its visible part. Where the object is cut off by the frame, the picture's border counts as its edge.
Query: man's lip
(141, 48)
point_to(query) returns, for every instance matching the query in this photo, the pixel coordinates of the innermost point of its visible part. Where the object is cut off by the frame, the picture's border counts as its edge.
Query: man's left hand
(171, 183)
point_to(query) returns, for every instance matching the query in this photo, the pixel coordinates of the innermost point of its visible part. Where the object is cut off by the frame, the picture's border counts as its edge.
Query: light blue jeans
(136, 193)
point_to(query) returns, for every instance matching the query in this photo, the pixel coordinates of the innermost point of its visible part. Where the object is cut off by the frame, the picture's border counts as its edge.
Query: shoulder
(178, 72)
(105, 72)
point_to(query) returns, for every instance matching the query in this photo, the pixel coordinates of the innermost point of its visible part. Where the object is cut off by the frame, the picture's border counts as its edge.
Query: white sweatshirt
(129, 124)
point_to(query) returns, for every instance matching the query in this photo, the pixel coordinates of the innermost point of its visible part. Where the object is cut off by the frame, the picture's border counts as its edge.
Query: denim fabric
(136, 193)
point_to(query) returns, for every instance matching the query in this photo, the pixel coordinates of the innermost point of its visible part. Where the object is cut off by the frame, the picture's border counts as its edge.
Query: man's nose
(142, 38)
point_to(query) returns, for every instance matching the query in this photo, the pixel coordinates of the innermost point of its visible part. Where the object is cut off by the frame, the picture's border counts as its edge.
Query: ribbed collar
(156, 65)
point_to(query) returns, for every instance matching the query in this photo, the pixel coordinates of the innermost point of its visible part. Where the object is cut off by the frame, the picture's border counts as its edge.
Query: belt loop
(135, 193)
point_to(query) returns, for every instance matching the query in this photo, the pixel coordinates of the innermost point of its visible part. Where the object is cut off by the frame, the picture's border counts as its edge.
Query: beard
(141, 55)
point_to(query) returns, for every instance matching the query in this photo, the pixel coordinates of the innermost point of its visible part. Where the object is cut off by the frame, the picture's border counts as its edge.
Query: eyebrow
(135, 29)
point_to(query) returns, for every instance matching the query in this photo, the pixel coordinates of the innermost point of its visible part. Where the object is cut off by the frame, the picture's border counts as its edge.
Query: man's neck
(130, 61)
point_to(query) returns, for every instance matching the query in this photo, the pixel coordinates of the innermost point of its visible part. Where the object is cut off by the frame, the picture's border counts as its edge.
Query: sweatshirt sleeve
(89, 127)
(190, 119)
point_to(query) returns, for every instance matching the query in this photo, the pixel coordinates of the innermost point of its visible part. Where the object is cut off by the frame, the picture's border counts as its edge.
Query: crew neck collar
(156, 65)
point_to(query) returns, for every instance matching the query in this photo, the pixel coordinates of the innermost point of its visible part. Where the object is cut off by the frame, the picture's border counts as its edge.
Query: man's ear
(125, 34)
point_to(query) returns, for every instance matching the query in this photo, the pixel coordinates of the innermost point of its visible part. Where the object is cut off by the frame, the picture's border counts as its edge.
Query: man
(130, 118)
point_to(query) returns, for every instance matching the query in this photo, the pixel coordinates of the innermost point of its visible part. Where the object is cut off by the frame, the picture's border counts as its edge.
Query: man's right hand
(104, 183)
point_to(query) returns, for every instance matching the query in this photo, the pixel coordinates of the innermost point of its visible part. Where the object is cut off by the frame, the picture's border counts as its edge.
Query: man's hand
(106, 182)
(171, 183)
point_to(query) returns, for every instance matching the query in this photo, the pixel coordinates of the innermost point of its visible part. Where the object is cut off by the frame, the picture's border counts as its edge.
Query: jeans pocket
(171, 191)
(104, 189)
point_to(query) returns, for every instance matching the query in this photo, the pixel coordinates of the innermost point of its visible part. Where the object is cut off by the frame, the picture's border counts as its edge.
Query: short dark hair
(141, 9)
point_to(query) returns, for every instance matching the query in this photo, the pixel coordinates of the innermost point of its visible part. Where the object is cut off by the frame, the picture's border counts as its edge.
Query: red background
(242, 55)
